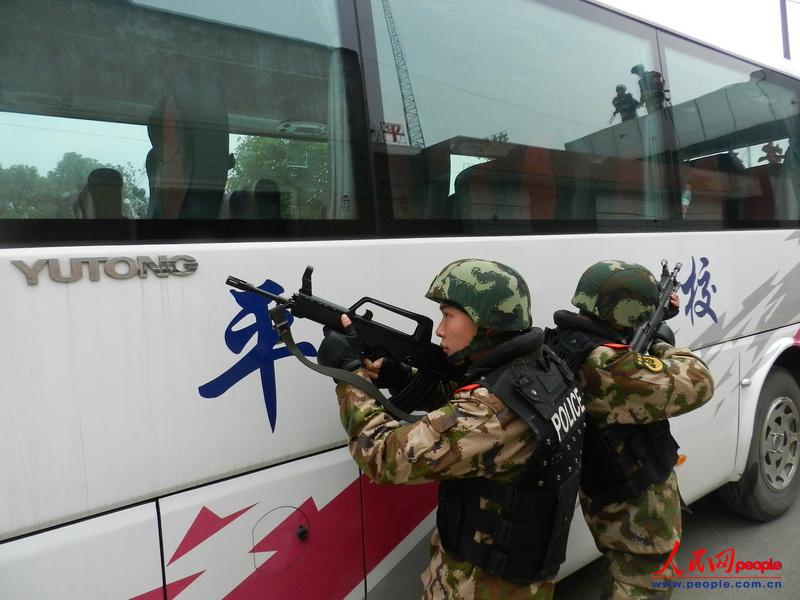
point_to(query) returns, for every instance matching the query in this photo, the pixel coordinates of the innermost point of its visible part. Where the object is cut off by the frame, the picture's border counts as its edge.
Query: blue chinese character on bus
(262, 356)
(699, 289)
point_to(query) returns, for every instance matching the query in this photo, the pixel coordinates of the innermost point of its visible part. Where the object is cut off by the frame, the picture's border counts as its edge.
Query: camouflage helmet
(637, 69)
(494, 295)
(620, 293)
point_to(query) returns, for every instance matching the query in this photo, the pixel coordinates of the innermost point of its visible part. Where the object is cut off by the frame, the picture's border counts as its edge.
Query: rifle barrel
(241, 284)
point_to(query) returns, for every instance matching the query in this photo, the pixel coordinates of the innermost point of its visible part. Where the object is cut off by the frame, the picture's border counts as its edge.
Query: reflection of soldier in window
(651, 87)
(625, 104)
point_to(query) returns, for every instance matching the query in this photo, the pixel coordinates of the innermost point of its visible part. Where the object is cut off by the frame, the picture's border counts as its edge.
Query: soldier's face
(456, 329)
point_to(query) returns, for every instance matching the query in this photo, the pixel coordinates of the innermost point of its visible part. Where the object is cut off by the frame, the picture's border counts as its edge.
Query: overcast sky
(747, 27)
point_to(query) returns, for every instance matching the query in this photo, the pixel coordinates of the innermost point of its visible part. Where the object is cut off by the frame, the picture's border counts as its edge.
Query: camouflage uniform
(472, 435)
(622, 387)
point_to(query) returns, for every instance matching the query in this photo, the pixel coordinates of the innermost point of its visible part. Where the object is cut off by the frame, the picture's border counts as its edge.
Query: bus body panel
(135, 375)
(113, 556)
(706, 435)
(151, 406)
(294, 529)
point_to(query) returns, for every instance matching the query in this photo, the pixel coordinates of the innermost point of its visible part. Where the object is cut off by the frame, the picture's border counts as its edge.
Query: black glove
(664, 333)
(393, 375)
(339, 350)
(671, 311)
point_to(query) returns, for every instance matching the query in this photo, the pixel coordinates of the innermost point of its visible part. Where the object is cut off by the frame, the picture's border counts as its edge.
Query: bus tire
(770, 480)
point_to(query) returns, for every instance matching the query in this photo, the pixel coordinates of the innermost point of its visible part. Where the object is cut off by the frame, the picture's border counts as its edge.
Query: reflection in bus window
(526, 109)
(298, 168)
(152, 114)
(737, 128)
(45, 164)
(513, 134)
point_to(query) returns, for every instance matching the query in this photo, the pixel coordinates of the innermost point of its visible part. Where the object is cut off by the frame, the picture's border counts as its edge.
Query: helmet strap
(480, 341)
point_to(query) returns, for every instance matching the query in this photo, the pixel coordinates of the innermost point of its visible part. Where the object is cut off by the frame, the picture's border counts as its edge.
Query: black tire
(770, 480)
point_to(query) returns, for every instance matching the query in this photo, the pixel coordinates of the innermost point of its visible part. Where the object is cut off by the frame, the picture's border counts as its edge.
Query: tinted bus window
(239, 120)
(737, 128)
(520, 125)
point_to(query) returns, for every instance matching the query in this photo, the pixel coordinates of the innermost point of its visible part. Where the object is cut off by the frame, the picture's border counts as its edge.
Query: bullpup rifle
(667, 286)
(376, 339)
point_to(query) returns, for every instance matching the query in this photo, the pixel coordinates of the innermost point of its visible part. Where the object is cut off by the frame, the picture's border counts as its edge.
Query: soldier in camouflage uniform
(486, 322)
(629, 496)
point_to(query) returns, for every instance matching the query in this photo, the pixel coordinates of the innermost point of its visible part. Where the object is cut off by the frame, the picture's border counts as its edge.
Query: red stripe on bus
(173, 589)
(206, 524)
(328, 563)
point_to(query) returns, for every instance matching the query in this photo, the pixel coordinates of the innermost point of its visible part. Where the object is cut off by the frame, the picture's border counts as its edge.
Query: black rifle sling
(278, 315)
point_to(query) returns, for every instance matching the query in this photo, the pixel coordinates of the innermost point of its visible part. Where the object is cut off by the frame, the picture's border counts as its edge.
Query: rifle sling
(366, 386)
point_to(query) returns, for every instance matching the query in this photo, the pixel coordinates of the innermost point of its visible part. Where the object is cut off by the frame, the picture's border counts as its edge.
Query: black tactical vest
(619, 461)
(529, 518)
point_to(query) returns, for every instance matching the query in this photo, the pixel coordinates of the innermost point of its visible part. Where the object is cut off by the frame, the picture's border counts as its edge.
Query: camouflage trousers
(636, 538)
(448, 579)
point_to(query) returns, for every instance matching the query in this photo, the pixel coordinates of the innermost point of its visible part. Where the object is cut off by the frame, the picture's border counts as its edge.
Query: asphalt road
(713, 527)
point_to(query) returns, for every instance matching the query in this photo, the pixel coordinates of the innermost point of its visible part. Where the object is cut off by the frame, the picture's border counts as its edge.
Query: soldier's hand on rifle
(664, 333)
(674, 306)
(391, 374)
(342, 350)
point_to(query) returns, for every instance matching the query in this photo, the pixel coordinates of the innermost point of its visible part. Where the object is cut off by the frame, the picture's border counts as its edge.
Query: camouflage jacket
(472, 435)
(623, 387)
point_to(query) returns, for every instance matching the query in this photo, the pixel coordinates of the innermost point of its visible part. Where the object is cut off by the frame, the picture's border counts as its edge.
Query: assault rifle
(376, 339)
(668, 285)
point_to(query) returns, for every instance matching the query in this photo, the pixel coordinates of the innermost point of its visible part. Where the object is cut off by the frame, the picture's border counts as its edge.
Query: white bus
(156, 441)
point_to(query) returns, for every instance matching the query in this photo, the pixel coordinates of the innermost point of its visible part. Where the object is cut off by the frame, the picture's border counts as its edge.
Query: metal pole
(785, 29)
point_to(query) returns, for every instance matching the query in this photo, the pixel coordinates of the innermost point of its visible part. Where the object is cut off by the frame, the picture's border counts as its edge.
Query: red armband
(617, 346)
(468, 388)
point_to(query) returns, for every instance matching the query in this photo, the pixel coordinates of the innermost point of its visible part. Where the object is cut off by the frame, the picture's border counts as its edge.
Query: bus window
(47, 164)
(246, 118)
(738, 134)
(507, 125)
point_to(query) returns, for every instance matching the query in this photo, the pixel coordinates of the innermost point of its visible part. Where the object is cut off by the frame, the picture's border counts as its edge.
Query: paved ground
(713, 527)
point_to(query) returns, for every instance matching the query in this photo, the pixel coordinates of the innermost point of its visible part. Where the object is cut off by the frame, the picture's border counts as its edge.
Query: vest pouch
(648, 455)
(562, 520)
(449, 514)
(535, 392)
(648, 466)
(663, 445)
(603, 467)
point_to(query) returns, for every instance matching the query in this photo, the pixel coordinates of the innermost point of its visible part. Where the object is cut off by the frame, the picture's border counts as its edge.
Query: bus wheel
(770, 480)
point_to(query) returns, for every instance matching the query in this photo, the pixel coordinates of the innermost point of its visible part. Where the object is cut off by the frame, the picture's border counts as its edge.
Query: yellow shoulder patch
(651, 363)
